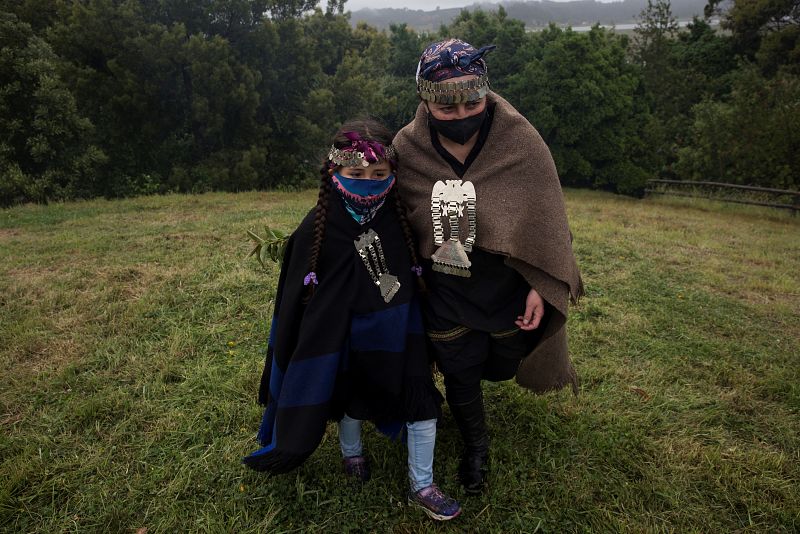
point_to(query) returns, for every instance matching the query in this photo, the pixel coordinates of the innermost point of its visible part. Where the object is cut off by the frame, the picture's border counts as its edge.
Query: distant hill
(535, 14)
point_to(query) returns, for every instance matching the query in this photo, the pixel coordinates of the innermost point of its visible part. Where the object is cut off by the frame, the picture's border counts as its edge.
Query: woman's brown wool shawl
(520, 214)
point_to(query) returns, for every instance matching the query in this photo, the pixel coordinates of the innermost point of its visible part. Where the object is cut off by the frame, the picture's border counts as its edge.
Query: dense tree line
(124, 97)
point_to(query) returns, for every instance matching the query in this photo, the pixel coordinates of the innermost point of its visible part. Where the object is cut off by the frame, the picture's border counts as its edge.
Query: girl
(347, 341)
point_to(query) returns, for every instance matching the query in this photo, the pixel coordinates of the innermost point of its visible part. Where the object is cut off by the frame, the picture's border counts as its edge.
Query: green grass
(132, 335)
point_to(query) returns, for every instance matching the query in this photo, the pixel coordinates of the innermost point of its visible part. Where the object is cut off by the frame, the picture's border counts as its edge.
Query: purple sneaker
(356, 467)
(435, 503)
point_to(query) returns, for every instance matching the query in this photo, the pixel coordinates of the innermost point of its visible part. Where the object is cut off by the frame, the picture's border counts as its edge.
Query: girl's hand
(534, 311)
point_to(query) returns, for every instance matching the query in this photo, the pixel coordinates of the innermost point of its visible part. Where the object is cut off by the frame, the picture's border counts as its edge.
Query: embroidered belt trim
(448, 335)
(502, 334)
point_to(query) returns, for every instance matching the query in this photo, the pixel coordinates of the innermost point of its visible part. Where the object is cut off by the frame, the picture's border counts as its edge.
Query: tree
(679, 69)
(705, 59)
(405, 47)
(39, 14)
(44, 153)
(293, 9)
(752, 138)
(652, 45)
(765, 31)
(580, 92)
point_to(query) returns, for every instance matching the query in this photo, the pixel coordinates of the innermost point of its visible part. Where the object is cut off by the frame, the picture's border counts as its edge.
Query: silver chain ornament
(369, 249)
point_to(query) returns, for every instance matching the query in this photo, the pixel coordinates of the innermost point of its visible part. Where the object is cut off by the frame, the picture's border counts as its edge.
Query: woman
(486, 206)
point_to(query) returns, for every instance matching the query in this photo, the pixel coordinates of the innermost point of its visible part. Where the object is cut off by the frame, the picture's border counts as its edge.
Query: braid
(320, 217)
(410, 244)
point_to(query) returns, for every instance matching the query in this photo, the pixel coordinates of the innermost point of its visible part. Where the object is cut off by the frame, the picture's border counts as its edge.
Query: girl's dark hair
(371, 130)
(410, 243)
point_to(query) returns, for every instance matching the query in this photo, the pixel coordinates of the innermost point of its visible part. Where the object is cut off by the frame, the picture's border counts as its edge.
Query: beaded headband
(453, 92)
(361, 153)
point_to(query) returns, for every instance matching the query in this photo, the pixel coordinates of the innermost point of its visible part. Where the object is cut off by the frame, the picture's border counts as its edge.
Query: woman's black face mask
(458, 130)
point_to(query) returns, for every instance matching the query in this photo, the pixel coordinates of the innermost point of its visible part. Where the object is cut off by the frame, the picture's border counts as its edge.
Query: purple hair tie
(311, 278)
(417, 270)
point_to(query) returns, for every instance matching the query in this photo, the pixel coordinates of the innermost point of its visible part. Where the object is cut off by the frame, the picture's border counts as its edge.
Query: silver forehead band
(354, 158)
(453, 92)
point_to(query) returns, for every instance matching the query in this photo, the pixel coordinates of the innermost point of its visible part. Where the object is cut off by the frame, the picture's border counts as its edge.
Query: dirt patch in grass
(8, 233)
(56, 354)
(9, 419)
(64, 309)
(34, 273)
(131, 283)
(88, 280)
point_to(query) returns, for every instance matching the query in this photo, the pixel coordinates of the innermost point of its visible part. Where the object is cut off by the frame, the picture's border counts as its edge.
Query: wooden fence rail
(794, 206)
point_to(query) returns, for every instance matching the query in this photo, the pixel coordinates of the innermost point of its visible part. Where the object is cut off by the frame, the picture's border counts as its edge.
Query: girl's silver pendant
(369, 249)
(389, 286)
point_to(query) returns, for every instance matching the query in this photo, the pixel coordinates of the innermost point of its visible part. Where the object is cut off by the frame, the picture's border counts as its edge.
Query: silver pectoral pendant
(449, 199)
(368, 246)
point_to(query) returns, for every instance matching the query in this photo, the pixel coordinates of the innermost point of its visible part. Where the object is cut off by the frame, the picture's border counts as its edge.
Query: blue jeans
(421, 442)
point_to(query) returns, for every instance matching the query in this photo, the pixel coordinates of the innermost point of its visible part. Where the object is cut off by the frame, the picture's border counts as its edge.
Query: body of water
(630, 26)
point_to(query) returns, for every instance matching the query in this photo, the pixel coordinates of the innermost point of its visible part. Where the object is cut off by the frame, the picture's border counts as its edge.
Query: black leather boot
(471, 421)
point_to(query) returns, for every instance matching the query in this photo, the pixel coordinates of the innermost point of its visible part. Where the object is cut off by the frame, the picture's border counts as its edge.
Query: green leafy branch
(272, 247)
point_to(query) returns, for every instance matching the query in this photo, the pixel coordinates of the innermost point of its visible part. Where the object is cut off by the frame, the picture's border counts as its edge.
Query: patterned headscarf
(450, 59)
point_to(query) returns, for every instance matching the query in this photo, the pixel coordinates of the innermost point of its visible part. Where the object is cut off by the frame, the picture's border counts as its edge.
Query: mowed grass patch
(132, 343)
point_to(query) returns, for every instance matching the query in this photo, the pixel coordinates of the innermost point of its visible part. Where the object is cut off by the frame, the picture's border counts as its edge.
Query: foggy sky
(426, 5)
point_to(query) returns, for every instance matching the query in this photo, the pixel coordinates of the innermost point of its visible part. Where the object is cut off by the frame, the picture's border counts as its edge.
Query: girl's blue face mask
(362, 197)
(363, 187)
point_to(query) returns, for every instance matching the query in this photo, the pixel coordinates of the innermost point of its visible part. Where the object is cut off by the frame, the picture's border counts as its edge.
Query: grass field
(132, 335)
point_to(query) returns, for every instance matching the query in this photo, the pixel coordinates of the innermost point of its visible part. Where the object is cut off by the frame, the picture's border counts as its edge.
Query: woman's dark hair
(370, 130)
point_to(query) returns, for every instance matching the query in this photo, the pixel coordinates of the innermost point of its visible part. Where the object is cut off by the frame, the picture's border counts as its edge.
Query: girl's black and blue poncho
(345, 350)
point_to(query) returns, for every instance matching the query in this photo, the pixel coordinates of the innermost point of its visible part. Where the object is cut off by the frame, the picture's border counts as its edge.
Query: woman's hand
(534, 311)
